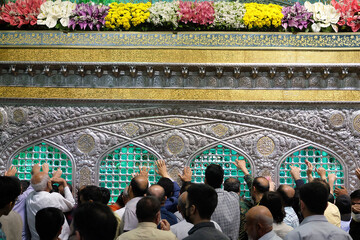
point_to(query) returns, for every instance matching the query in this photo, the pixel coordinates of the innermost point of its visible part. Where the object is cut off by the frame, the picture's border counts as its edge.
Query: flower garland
(180, 15)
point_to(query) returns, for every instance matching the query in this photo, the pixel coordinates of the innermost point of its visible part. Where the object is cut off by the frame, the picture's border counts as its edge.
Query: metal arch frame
(320, 147)
(53, 144)
(250, 160)
(97, 166)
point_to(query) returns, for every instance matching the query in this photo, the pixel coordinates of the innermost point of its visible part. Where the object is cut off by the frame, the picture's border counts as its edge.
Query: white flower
(162, 13)
(324, 16)
(51, 12)
(229, 14)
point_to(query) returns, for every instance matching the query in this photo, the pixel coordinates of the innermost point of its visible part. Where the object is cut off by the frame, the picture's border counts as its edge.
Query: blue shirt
(169, 216)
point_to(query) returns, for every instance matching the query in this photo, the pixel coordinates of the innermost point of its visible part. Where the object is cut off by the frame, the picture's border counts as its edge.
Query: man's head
(273, 201)
(105, 195)
(355, 205)
(313, 198)
(232, 185)
(9, 191)
(214, 175)
(90, 193)
(258, 222)
(343, 202)
(123, 197)
(148, 209)
(182, 203)
(287, 193)
(200, 203)
(48, 223)
(93, 221)
(259, 187)
(158, 192)
(168, 186)
(138, 186)
(41, 182)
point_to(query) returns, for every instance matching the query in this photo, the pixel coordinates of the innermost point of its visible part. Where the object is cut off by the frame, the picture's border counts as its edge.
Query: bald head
(287, 194)
(182, 203)
(41, 182)
(258, 222)
(158, 192)
(138, 186)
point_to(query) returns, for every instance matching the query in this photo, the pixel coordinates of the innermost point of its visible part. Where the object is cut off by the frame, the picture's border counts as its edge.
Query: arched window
(224, 157)
(42, 153)
(318, 158)
(117, 167)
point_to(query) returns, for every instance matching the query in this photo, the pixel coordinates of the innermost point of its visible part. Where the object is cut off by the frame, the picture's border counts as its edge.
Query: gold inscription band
(180, 94)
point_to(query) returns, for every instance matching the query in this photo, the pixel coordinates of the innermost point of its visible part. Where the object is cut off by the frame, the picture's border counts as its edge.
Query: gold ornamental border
(158, 94)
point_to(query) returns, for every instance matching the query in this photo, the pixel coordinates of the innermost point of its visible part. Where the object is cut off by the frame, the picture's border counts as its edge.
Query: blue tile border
(220, 40)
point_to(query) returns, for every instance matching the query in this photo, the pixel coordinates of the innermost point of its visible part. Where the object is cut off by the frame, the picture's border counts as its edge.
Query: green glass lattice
(224, 157)
(117, 167)
(318, 158)
(42, 153)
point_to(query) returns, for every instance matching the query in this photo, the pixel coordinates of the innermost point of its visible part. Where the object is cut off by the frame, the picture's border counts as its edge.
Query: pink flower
(349, 13)
(22, 12)
(196, 12)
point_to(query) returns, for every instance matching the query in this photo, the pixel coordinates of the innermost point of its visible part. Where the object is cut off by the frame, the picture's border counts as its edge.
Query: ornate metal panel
(263, 134)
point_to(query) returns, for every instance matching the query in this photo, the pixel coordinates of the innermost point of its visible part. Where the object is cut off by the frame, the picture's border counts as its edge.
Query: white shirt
(129, 218)
(182, 228)
(120, 212)
(39, 200)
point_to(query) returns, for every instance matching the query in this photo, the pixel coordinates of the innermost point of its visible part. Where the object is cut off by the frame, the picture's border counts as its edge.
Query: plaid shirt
(245, 205)
(291, 218)
(227, 213)
(2, 234)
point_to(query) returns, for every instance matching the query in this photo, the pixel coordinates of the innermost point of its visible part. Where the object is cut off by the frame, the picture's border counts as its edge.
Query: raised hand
(11, 171)
(295, 172)
(162, 170)
(357, 173)
(57, 173)
(45, 168)
(186, 176)
(341, 191)
(322, 173)
(241, 164)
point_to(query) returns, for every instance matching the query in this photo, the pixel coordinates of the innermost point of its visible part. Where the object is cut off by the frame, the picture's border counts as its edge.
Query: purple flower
(88, 15)
(296, 17)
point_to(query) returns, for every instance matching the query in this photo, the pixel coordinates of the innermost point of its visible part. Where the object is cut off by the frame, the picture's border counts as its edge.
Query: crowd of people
(45, 209)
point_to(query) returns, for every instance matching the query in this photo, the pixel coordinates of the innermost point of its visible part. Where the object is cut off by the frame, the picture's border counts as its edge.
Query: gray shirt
(227, 213)
(316, 227)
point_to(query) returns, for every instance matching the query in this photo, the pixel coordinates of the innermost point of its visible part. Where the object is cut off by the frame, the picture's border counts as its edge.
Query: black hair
(185, 187)
(91, 192)
(286, 199)
(314, 195)
(205, 199)
(343, 202)
(48, 222)
(136, 189)
(120, 200)
(147, 208)
(168, 186)
(9, 190)
(214, 175)
(326, 184)
(260, 187)
(232, 185)
(24, 185)
(105, 195)
(355, 194)
(95, 221)
(273, 201)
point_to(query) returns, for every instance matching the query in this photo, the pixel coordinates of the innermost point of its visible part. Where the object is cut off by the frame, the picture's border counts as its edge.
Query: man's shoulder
(207, 233)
